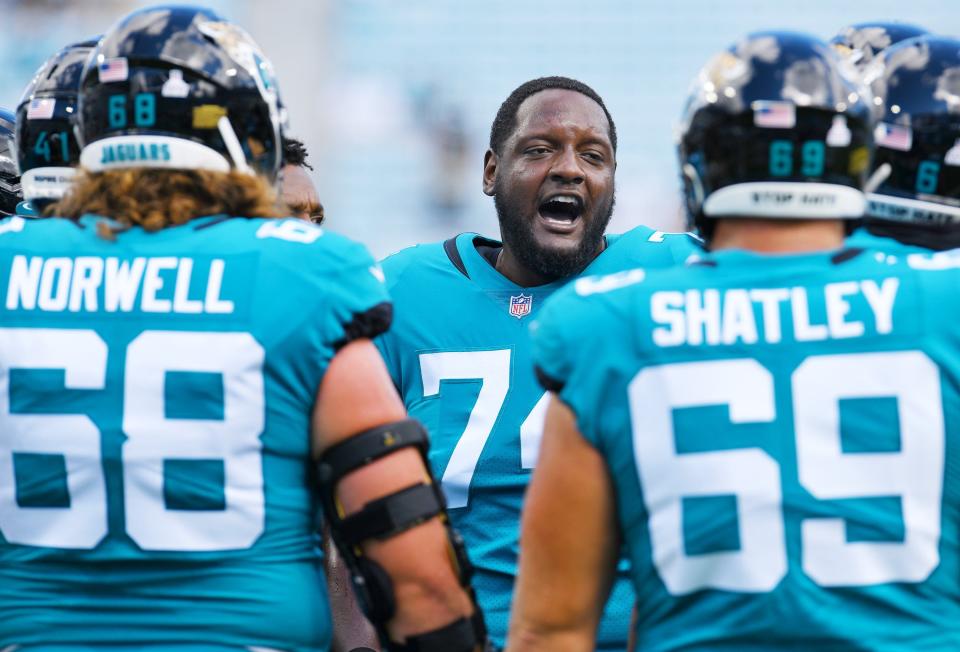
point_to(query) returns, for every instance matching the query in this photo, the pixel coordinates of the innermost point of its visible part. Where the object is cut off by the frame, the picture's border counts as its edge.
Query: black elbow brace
(386, 517)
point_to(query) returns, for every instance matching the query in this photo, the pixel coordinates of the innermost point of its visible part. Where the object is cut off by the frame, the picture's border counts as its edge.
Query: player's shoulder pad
(12, 224)
(397, 262)
(682, 245)
(650, 247)
(938, 274)
(573, 315)
(312, 244)
(587, 294)
(14, 228)
(602, 284)
(642, 233)
(937, 261)
(419, 259)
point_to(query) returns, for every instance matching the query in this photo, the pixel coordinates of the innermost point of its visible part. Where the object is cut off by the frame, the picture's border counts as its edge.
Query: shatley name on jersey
(724, 317)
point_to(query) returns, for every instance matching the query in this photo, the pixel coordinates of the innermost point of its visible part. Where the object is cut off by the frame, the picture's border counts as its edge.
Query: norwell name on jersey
(723, 317)
(160, 284)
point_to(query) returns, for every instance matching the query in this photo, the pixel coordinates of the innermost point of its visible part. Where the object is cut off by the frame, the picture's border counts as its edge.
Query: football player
(47, 149)
(297, 191)
(459, 349)
(183, 382)
(773, 429)
(10, 192)
(916, 90)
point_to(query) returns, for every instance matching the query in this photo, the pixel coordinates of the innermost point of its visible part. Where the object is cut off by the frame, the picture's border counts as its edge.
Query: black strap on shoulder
(392, 514)
(215, 221)
(450, 248)
(362, 449)
(368, 323)
(844, 255)
(549, 383)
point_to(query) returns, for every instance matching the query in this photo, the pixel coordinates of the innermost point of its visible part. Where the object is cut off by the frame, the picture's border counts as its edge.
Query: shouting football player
(460, 350)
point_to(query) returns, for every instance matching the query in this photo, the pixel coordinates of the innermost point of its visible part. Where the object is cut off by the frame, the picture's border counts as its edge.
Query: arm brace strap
(391, 514)
(386, 517)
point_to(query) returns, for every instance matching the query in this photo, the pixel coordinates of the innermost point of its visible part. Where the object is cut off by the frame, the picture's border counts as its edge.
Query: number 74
(492, 368)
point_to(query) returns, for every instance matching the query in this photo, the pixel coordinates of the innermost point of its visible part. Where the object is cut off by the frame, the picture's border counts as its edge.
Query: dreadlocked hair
(154, 199)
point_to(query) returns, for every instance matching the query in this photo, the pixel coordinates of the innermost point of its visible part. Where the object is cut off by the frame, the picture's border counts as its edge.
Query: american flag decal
(41, 108)
(113, 70)
(893, 136)
(774, 115)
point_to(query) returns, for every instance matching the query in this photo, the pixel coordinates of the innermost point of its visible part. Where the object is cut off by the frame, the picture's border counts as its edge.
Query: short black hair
(506, 121)
(294, 153)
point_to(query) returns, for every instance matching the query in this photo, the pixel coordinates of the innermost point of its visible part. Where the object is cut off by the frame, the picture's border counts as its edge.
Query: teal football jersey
(784, 439)
(459, 352)
(155, 394)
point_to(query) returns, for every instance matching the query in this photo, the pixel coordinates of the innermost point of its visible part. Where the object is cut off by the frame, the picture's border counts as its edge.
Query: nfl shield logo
(520, 305)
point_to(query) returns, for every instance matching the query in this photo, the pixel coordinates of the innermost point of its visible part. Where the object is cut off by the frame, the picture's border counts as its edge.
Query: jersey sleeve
(387, 345)
(646, 248)
(569, 340)
(683, 245)
(332, 287)
(359, 306)
(393, 268)
(553, 355)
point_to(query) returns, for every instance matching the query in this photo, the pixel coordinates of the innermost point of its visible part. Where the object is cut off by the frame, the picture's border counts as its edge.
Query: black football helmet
(861, 43)
(179, 88)
(916, 88)
(10, 194)
(47, 149)
(775, 127)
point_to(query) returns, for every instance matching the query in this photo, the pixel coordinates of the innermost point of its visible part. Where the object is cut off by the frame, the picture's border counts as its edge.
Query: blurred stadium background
(394, 98)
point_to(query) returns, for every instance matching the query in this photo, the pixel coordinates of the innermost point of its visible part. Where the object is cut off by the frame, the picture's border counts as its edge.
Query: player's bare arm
(356, 395)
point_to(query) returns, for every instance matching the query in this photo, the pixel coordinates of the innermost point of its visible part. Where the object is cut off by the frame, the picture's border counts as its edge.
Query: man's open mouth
(561, 212)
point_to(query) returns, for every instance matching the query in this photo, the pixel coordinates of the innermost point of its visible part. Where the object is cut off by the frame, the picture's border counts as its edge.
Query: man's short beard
(544, 261)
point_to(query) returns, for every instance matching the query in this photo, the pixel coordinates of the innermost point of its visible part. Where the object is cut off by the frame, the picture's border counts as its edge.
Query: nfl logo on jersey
(520, 305)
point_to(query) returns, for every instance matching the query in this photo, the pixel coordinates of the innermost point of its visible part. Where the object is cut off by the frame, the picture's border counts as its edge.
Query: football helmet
(47, 149)
(10, 194)
(916, 89)
(859, 44)
(775, 127)
(179, 88)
